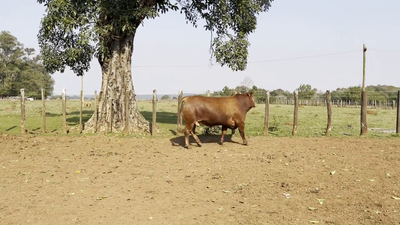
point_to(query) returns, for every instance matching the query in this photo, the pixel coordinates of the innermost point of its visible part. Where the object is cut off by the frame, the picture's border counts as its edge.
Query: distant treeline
(306, 92)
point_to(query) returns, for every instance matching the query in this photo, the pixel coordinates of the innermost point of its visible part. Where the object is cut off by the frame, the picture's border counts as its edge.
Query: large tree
(74, 31)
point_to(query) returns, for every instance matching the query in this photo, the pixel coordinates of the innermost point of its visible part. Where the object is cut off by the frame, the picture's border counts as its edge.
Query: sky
(296, 42)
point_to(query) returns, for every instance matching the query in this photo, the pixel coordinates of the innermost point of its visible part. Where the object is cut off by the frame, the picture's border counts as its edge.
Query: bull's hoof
(221, 143)
(245, 143)
(187, 146)
(199, 144)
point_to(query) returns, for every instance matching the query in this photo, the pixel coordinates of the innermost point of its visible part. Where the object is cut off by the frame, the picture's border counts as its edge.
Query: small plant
(13, 105)
(274, 124)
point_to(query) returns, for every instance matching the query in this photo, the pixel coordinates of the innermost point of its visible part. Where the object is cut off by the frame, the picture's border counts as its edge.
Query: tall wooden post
(153, 123)
(180, 96)
(329, 109)
(364, 127)
(81, 108)
(266, 121)
(23, 130)
(296, 112)
(95, 111)
(43, 112)
(64, 111)
(398, 113)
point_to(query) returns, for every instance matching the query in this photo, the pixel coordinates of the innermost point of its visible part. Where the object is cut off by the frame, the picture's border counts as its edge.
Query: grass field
(311, 122)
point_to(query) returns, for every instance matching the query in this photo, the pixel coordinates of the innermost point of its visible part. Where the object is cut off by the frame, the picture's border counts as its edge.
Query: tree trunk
(117, 106)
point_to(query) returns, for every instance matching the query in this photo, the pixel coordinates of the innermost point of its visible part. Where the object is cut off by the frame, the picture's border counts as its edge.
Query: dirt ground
(117, 180)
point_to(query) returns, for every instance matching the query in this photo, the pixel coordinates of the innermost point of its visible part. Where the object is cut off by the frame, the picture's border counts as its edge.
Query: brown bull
(230, 112)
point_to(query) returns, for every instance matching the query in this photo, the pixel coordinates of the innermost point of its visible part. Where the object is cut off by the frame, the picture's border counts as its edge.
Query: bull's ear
(250, 93)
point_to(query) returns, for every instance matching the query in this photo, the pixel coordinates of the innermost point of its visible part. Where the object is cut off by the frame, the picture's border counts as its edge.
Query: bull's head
(252, 101)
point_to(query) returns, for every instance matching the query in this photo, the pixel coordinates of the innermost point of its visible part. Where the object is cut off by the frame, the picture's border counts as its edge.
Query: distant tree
(259, 94)
(241, 89)
(382, 92)
(21, 68)
(280, 92)
(226, 91)
(352, 94)
(55, 97)
(306, 92)
(280, 95)
(165, 97)
(247, 83)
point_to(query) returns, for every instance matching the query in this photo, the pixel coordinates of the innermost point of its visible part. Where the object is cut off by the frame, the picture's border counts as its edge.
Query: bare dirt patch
(114, 180)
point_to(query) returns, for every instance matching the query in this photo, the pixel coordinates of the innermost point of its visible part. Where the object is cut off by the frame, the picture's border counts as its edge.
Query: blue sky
(170, 55)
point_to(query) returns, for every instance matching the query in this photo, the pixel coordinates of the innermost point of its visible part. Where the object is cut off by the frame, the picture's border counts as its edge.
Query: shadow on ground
(205, 139)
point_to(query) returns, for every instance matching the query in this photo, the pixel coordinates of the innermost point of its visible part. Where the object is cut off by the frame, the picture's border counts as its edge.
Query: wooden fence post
(154, 116)
(296, 112)
(364, 127)
(179, 122)
(95, 112)
(43, 112)
(64, 111)
(329, 109)
(266, 121)
(23, 130)
(398, 113)
(80, 111)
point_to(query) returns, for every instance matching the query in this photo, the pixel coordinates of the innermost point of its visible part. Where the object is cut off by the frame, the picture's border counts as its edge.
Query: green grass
(10, 116)
(311, 121)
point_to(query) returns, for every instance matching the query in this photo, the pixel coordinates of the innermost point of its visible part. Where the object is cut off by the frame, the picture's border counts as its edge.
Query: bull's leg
(195, 136)
(224, 129)
(187, 133)
(241, 131)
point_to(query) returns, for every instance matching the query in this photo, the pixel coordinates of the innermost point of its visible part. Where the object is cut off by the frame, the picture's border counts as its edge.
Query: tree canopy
(88, 27)
(21, 68)
(306, 91)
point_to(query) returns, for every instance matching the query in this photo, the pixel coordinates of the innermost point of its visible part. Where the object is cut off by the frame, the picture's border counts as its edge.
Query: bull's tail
(181, 104)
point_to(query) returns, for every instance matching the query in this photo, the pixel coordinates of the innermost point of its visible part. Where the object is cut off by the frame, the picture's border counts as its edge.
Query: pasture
(312, 119)
(278, 179)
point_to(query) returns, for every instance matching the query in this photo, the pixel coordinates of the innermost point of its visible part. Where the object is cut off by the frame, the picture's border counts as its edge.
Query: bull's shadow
(204, 138)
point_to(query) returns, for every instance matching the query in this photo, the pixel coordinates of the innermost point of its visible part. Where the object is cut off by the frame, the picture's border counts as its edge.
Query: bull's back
(209, 110)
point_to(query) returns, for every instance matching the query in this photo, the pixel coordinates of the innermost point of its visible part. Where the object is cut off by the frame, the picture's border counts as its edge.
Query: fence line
(296, 102)
(338, 103)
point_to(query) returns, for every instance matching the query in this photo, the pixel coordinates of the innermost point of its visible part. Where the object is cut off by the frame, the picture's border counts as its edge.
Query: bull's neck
(243, 104)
